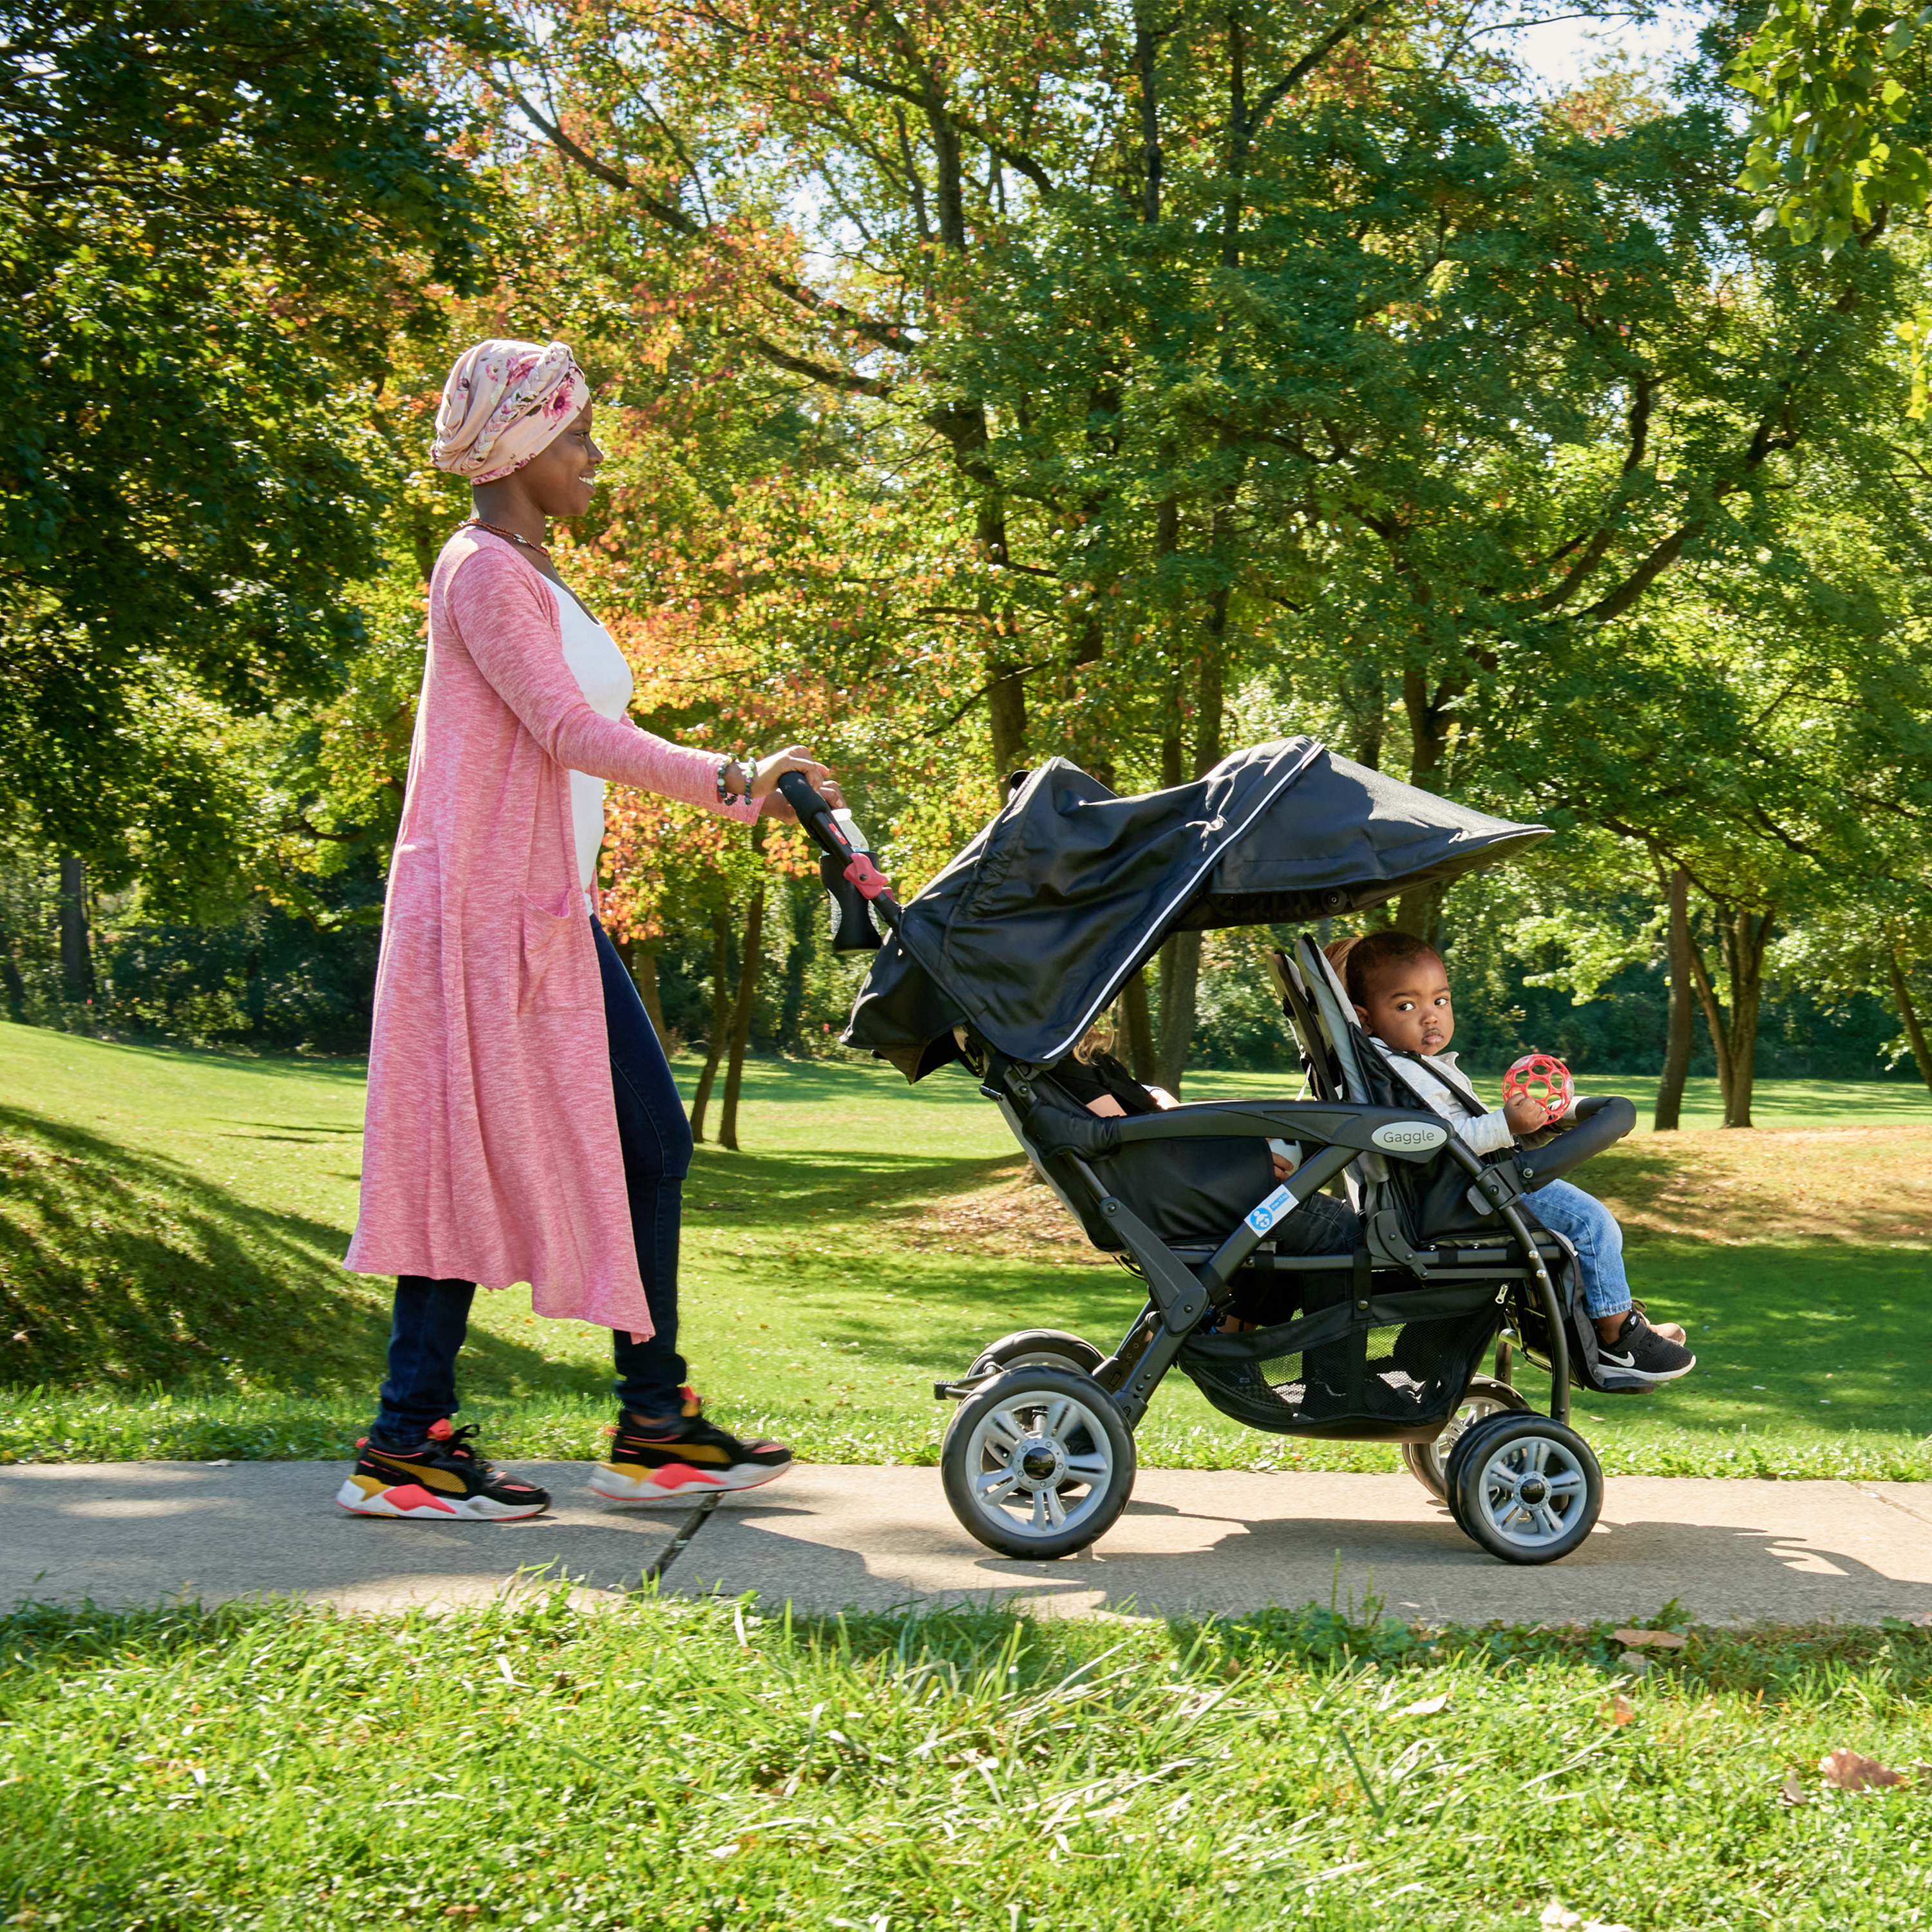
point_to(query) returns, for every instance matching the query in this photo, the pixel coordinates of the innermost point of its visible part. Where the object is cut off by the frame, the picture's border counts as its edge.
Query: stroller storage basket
(1391, 1370)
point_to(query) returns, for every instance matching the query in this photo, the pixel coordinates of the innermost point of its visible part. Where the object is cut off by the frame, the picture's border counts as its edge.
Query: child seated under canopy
(1400, 988)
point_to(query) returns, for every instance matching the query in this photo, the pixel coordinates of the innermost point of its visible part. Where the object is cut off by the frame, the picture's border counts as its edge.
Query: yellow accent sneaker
(680, 1461)
(443, 1479)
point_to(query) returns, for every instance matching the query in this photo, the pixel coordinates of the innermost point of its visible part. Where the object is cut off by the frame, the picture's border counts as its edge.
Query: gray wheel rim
(1532, 1491)
(1018, 1460)
(1472, 1411)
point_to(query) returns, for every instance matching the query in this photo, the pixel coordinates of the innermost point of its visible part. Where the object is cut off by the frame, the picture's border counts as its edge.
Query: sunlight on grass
(171, 1227)
(657, 1764)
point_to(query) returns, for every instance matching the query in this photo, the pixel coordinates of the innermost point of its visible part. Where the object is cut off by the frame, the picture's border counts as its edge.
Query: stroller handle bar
(857, 886)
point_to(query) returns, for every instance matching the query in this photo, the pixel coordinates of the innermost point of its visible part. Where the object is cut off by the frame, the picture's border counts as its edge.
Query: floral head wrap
(504, 403)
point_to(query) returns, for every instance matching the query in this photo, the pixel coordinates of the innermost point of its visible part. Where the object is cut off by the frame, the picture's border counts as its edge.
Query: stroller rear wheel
(1038, 1462)
(1036, 1349)
(1527, 1489)
(1428, 1462)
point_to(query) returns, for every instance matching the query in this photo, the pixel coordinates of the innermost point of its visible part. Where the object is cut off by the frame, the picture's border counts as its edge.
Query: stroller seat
(1186, 1191)
(1387, 1336)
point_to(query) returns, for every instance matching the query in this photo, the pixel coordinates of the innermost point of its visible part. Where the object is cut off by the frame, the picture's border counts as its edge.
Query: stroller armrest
(1057, 1130)
(1600, 1123)
(1410, 1134)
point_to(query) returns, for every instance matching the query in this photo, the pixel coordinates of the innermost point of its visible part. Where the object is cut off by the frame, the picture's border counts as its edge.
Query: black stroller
(1003, 961)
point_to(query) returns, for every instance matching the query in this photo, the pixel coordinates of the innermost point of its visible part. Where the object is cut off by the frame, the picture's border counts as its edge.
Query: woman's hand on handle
(766, 774)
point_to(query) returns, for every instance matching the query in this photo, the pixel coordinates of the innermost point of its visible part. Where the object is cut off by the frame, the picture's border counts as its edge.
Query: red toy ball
(1542, 1078)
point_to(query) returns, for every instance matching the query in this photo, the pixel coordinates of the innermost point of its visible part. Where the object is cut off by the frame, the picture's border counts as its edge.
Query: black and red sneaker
(443, 1479)
(666, 1463)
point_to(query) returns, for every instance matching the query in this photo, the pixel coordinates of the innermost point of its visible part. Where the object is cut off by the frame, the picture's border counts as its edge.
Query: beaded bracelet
(727, 797)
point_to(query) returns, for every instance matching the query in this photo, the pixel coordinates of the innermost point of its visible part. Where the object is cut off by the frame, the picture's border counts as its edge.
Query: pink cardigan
(491, 1149)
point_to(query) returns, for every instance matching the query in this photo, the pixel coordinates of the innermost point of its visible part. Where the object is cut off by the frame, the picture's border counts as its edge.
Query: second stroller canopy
(1032, 930)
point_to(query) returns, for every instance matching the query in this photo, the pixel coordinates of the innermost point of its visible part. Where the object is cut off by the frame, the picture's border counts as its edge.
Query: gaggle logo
(1409, 1136)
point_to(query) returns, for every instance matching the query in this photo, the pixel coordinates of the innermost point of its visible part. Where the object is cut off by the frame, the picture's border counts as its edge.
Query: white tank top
(604, 679)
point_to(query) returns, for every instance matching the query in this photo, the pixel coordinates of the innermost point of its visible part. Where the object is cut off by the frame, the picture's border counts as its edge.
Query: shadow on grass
(787, 1189)
(858, 1288)
(118, 1267)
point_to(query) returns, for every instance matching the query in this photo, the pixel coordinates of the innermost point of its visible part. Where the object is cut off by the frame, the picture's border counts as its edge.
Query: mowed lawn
(658, 1765)
(171, 1225)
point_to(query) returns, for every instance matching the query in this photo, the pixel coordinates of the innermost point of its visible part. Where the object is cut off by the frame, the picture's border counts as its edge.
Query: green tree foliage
(217, 217)
(989, 382)
(1840, 134)
(1295, 350)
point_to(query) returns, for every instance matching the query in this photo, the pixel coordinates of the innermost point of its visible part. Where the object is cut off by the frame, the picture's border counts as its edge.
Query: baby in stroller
(1099, 1081)
(1400, 988)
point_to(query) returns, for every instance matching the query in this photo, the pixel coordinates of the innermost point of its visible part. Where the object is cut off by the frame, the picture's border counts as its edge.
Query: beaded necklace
(510, 536)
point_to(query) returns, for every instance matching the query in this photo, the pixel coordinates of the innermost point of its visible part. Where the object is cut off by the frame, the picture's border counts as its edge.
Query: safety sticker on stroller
(1280, 1202)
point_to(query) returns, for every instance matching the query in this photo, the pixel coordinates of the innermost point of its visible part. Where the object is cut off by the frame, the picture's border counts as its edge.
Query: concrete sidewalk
(833, 1538)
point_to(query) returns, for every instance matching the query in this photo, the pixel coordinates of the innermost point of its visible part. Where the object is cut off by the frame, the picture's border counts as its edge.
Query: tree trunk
(1677, 1049)
(1908, 1014)
(1745, 940)
(1734, 1038)
(720, 1017)
(1713, 1016)
(254, 989)
(1180, 982)
(1005, 712)
(16, 987)
(1420, 911)
(1181, 957)
(751, 958)
(644, 970)
(1364, 703)
(805, 900)
(75, 950)
(1138, 1025)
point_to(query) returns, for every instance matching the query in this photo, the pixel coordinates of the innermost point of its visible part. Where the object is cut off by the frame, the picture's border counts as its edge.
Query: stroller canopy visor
(1033, 930)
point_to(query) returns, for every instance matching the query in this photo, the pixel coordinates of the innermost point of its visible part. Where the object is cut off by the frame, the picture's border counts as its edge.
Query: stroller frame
(1184, 1283)
(1039, 1458)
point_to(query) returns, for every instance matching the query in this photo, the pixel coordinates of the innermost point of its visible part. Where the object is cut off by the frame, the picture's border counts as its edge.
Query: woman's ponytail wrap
(1336, 953)
(504, 403)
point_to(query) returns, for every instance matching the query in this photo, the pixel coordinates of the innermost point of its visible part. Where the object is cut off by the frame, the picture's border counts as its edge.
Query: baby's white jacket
(1484, 1133)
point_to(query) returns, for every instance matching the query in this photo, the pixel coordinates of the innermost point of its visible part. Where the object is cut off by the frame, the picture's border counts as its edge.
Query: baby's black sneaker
(443, 1479)
(1640, 1356)
(665, 1462)
(1671, 1331)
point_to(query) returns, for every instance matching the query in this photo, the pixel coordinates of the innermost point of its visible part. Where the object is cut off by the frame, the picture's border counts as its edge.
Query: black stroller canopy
(1034, 928)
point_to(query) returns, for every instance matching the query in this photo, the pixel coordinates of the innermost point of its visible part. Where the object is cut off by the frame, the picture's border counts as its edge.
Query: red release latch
(867, 876)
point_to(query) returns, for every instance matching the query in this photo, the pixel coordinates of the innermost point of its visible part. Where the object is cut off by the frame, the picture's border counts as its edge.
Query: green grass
(170, 1227)
(663, 1765)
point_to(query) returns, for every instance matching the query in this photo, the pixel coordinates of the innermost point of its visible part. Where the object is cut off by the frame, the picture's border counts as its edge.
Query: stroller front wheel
(1037, 1463)
(1527, 1489)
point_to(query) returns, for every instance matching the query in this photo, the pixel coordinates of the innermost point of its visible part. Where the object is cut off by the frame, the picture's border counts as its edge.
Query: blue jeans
(1592, 1230)
(432, 1317)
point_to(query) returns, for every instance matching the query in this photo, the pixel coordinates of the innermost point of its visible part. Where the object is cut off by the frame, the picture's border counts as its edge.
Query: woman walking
(522, 1124)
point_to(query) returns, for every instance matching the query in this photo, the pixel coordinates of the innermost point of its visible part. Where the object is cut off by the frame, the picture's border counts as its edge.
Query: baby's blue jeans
(1592, 1230)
